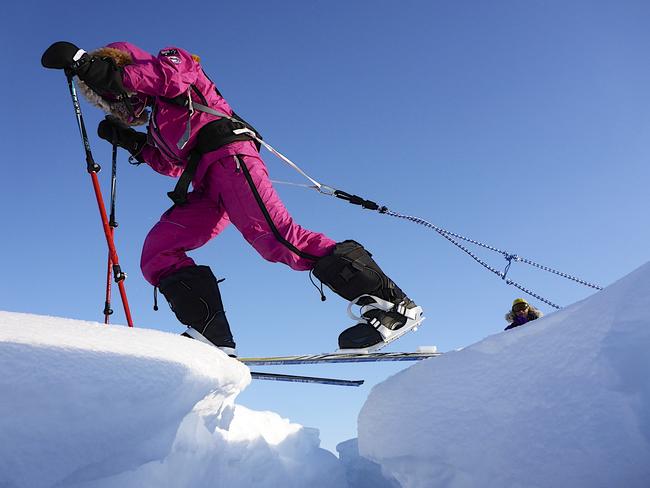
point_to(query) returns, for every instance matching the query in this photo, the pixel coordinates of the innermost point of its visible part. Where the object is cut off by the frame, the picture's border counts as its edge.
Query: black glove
(60, 55)
(100, 74)
(115, 131)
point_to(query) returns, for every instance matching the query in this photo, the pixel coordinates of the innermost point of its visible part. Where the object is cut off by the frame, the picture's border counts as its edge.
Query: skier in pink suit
(194, 135)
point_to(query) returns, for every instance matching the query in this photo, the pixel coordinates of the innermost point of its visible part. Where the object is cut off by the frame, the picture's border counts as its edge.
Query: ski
(304, 379)
(336, 357)
(340, 357)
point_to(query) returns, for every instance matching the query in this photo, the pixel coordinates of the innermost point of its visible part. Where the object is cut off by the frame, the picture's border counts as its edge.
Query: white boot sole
(413, 316)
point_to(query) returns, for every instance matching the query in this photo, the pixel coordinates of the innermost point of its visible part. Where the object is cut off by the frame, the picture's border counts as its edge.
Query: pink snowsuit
(231, 184)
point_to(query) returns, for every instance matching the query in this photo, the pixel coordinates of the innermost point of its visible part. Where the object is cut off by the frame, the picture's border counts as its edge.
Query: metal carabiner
(325, 189)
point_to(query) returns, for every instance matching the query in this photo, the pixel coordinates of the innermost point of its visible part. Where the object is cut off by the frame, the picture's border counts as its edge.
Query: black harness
(211, 137)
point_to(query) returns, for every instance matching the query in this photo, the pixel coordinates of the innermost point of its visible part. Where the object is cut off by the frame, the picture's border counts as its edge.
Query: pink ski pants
(233, 189)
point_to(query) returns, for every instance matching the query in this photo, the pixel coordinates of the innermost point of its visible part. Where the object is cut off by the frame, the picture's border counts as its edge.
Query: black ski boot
(386, 312)
(193, 295)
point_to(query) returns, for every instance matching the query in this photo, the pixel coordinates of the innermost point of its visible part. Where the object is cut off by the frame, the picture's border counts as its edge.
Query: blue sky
(520, 124)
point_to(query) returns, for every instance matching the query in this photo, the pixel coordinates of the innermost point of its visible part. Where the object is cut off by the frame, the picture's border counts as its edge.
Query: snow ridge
(111, 406)
(561, 401)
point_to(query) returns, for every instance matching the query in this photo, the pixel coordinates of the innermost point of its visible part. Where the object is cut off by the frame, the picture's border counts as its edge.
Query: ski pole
(93, 168)
(108, 311)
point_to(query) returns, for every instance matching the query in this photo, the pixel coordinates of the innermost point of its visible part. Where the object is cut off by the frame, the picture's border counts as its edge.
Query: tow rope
(382, 209)
(450, 236)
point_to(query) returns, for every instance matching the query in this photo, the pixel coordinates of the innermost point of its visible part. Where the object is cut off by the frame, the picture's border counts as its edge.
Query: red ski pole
(93, 168)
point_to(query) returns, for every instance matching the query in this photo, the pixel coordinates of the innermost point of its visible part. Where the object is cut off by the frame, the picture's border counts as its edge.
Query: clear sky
(520, 124)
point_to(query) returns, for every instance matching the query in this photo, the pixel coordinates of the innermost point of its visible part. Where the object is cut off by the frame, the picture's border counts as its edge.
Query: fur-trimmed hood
(510, 316)
(123, 54)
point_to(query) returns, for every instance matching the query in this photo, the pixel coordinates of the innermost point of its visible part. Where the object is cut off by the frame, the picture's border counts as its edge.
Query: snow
(561, 401)
(361, 471)
(88, 405)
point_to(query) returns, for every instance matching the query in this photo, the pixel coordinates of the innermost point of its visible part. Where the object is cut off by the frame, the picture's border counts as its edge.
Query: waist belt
(211, 137)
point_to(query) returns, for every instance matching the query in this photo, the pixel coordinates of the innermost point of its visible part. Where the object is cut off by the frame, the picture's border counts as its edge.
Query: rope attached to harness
(247, 131)
(450, 236)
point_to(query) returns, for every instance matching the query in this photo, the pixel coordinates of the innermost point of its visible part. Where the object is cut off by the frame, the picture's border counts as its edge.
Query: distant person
(521, 313)
(193, 134)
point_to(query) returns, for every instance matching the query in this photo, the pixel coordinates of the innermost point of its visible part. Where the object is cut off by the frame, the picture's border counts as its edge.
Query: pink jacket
(169, 74)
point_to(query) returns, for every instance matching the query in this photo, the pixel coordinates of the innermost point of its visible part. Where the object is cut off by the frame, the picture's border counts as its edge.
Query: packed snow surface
(86, 405)
(563, 401)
